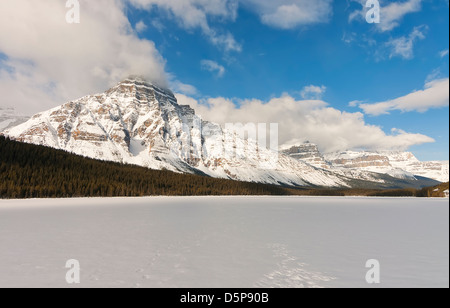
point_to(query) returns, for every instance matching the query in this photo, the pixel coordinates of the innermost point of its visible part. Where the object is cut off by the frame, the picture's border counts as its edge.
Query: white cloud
(401, 47)
(194, 14)
(434, 75)
(434, 95)
(183, 88)
(312, 120)
(444, 53)
(51, 61)
(313, 92)
(225, 41)
(355, 103)
(140, 26)
(289, 14)
(213, 67)
(283, 14)
(391, 14)
(404, 46)
(158, 25)
(349, 38)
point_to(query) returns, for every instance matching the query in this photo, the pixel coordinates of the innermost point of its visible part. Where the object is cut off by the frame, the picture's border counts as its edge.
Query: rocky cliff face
(394, 163)
(401, 165)
(139, 123)
(309, 153)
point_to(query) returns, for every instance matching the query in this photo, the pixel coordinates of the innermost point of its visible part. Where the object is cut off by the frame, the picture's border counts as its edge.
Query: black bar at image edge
(225, 297)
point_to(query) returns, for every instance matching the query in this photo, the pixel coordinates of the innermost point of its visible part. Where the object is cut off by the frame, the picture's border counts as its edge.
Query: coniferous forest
(31, 171)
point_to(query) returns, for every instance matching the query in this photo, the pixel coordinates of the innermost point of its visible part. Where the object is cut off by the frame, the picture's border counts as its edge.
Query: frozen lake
(225, 242)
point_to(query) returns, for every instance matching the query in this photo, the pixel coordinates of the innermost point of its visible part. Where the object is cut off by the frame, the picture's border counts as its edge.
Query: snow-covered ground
(225, 242)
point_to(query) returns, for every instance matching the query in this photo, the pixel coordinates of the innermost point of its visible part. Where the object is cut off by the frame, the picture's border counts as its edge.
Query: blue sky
(352, 59)
(320, 54)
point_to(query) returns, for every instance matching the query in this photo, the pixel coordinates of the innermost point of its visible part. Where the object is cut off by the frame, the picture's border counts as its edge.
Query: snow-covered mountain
(139, 123)
(10, 118)
(309, 153)
(395, 163)
(401, 165)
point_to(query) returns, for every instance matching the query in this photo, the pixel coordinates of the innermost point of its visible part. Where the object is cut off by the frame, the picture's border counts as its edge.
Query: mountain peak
(139, 78)
(139, 87)
(142, 81)
(309, 153)
(137, 122)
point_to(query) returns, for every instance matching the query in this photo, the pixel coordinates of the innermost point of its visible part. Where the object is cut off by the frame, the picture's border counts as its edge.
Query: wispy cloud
(158, 25)
(404, 46)
(355, 103)
(394, 12)
(183, 88)
(313, 92)
(434, 95)
(289, 14)
(213, 67)
(391, 14)
(194, 14)
(443, 53)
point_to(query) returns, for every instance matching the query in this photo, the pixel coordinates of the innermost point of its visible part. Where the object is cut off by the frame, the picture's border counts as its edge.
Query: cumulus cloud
(194, 14)
(282, 14)
(434, 95)
(48, 61)
(391, 14)
(213, 67)
(288, 14)
(313, 92)
(313, 120)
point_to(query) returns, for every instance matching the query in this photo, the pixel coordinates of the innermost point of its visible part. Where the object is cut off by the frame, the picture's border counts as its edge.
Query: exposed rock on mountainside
(309, 153)
(402, 165)
(397, 164)
(139, 123)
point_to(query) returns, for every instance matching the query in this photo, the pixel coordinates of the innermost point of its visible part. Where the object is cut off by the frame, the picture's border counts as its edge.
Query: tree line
(31, 171)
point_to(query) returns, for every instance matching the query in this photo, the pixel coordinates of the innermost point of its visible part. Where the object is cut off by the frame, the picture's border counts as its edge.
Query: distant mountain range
(139, 123)
(398, 164)
(10, 118)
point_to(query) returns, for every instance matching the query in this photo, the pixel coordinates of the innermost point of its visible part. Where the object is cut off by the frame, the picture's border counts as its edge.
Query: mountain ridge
(10, 118)
(32, 171)
(136, 122)
(399, 164)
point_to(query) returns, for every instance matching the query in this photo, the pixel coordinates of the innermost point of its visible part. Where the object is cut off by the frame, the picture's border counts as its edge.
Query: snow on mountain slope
(9, 118)
(437, 170)
(398, 164)
(139, 123)
(309, 153)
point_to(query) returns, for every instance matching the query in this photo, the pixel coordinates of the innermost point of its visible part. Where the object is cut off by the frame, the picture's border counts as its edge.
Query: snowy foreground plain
(225, 242)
